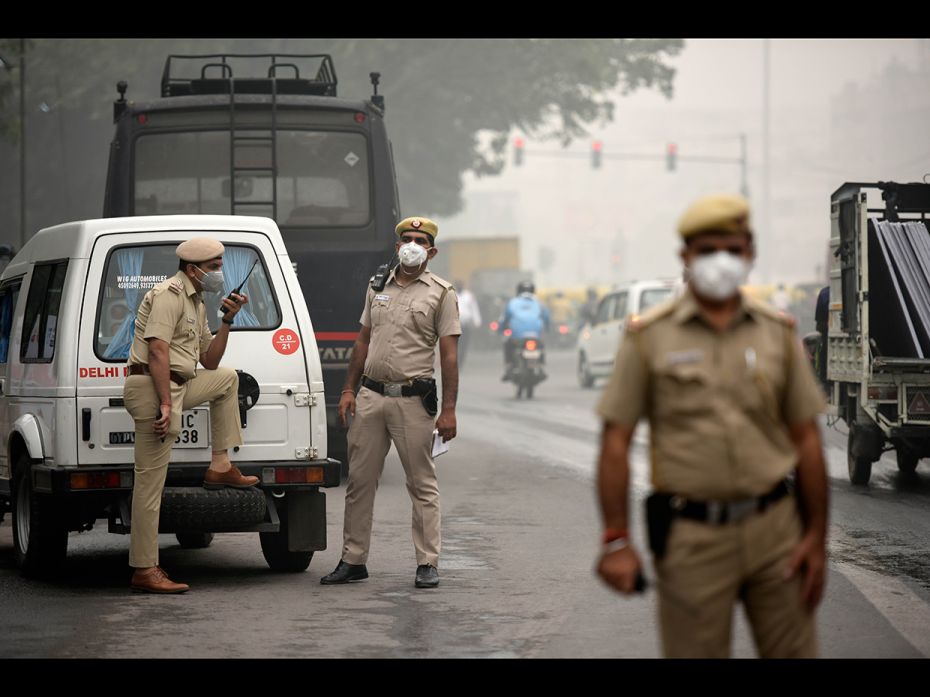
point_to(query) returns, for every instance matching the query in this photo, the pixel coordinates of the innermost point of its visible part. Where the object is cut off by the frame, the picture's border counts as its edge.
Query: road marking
(907, 612)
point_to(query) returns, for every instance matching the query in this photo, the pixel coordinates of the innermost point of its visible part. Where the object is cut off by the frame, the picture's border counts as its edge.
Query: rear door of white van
(265, 343)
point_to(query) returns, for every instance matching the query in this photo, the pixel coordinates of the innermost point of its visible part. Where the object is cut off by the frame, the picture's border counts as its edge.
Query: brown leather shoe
(232, 477)
(155, 580)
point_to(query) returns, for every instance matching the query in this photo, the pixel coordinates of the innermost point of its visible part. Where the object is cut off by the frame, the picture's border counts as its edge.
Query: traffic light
(517, 152)
(671, 157)
(596, 154)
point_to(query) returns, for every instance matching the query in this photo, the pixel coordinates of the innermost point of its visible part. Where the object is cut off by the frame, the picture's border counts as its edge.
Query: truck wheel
(194, 540)
(529, 390)
(275, 551)
(860, 468)
(585, 379)
(907, 460)
(40, 537)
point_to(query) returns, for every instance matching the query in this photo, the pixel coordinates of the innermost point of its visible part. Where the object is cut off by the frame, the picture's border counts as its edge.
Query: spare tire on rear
(197, 509)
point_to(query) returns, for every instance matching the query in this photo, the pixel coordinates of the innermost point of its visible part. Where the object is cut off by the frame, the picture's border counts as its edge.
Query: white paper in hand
(438, 446)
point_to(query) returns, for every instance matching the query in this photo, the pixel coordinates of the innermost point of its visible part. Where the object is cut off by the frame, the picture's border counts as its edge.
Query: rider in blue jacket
(524, 316)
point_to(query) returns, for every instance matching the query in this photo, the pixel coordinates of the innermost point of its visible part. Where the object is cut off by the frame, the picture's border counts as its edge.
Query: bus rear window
(322, 176)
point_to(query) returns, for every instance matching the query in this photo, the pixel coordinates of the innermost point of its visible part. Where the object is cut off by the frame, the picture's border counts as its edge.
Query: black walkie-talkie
(235, 291)
(379, 280)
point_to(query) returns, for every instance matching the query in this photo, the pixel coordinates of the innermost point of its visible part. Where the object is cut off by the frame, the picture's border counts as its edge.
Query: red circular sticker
(285, 341)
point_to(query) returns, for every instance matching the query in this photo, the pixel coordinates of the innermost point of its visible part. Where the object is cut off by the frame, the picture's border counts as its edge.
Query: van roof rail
(214, 74)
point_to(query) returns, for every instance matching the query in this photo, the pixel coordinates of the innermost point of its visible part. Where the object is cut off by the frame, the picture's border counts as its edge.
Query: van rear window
(131, 271)
(322, 176)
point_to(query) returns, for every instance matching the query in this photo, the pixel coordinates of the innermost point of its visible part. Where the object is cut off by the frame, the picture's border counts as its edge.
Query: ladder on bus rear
(243, 170)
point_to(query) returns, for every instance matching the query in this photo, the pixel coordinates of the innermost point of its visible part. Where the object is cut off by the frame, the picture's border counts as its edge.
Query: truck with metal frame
(267, 135)
(878, 336)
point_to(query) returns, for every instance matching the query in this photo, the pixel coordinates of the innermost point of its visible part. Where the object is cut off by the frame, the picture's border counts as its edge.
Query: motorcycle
(527, 370)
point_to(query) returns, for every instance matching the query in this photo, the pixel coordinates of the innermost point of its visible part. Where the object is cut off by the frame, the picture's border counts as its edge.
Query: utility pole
(766, 235)
(744, 182)
(22, 143)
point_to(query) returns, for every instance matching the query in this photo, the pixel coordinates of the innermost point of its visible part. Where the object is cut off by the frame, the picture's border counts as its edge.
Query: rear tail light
(508, 332)
(101, 480)
(563, 329)
(531, 345)
(493, 326)
(292, 475)
(884, 393)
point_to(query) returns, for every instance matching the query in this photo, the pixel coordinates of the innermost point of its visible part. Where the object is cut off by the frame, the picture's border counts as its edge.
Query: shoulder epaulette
(442, 282)
(764, 308)
(176, 286)
(639, 322)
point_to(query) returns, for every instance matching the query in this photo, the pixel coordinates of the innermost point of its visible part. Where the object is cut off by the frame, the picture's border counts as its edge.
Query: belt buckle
(714, 511)
(742, 509)
(392, 389)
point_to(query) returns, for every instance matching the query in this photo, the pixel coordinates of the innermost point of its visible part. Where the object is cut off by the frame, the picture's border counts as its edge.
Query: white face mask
(212, 281)
(718, 276)
(411, 254)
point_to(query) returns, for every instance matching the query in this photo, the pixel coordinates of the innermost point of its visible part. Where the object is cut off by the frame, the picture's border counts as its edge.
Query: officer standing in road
(732, 406)
(171, 337)
(401, 324)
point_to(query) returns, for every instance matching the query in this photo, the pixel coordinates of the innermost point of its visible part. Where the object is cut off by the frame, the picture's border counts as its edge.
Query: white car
(598, 342)
(67, 315)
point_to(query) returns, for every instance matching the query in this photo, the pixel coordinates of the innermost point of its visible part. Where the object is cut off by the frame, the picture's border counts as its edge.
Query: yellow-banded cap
(417, 224)
(715, 213)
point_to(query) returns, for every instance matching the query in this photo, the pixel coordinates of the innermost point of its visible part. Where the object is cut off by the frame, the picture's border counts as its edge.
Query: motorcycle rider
(525, 316)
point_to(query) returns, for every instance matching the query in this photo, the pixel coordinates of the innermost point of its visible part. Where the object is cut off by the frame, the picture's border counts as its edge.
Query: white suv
(598, 342)
(67, 314)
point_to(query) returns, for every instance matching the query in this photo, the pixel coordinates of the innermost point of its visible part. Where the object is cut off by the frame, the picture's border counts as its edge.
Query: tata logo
(335, 354)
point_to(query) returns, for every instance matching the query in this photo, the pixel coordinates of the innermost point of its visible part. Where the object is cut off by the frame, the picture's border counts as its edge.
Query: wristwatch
(228, 321)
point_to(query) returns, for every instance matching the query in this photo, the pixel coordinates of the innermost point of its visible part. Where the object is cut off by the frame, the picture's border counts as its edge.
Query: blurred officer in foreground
(732, 405)
(401, 325)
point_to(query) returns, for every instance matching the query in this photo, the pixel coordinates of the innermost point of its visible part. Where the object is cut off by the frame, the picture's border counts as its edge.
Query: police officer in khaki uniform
(171, 337)
(401, 325)
(732, 404)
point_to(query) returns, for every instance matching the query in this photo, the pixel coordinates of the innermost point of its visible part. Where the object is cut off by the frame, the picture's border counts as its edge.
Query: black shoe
(427, 576)
(343, 573)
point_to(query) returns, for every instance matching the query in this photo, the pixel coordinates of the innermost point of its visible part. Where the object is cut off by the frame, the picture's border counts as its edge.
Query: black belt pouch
(427, 388)
(659, 517)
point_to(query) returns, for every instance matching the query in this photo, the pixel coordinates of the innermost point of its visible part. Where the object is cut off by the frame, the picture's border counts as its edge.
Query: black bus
(225, 140)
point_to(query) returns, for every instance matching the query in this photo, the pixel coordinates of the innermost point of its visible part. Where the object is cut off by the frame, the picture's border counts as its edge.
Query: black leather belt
(720, 512)
(391, 389)
(143, 369)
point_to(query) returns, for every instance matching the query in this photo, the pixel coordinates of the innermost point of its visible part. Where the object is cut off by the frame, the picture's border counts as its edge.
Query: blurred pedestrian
(469, 316)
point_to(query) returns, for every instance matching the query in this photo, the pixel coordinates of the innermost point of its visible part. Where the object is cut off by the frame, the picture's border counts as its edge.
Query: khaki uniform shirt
(405, 325)
(174, 312)
(718, 403)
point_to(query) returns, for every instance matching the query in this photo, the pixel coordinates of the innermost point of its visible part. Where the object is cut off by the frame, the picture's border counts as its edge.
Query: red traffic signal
(517, 152)
(596, 154)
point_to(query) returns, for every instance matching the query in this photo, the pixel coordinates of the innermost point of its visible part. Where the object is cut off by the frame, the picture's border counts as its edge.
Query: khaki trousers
(707, 568)
(218, 387)
(378, 421)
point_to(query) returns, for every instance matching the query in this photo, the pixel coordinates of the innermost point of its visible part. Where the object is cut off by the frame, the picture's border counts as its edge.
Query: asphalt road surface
(520, 535)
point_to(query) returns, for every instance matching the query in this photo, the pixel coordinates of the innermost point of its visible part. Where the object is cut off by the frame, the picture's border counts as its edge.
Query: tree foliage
(450, 103)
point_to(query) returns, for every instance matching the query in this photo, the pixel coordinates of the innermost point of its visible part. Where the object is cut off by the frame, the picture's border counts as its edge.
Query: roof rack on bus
(213, 74)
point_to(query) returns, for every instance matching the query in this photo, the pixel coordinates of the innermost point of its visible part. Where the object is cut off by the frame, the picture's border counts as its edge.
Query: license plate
(195, 429)
(531, 354)
(194, 433)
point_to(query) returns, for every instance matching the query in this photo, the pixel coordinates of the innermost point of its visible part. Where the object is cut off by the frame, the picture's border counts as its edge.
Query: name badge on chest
(383, 297)
(681, 357)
